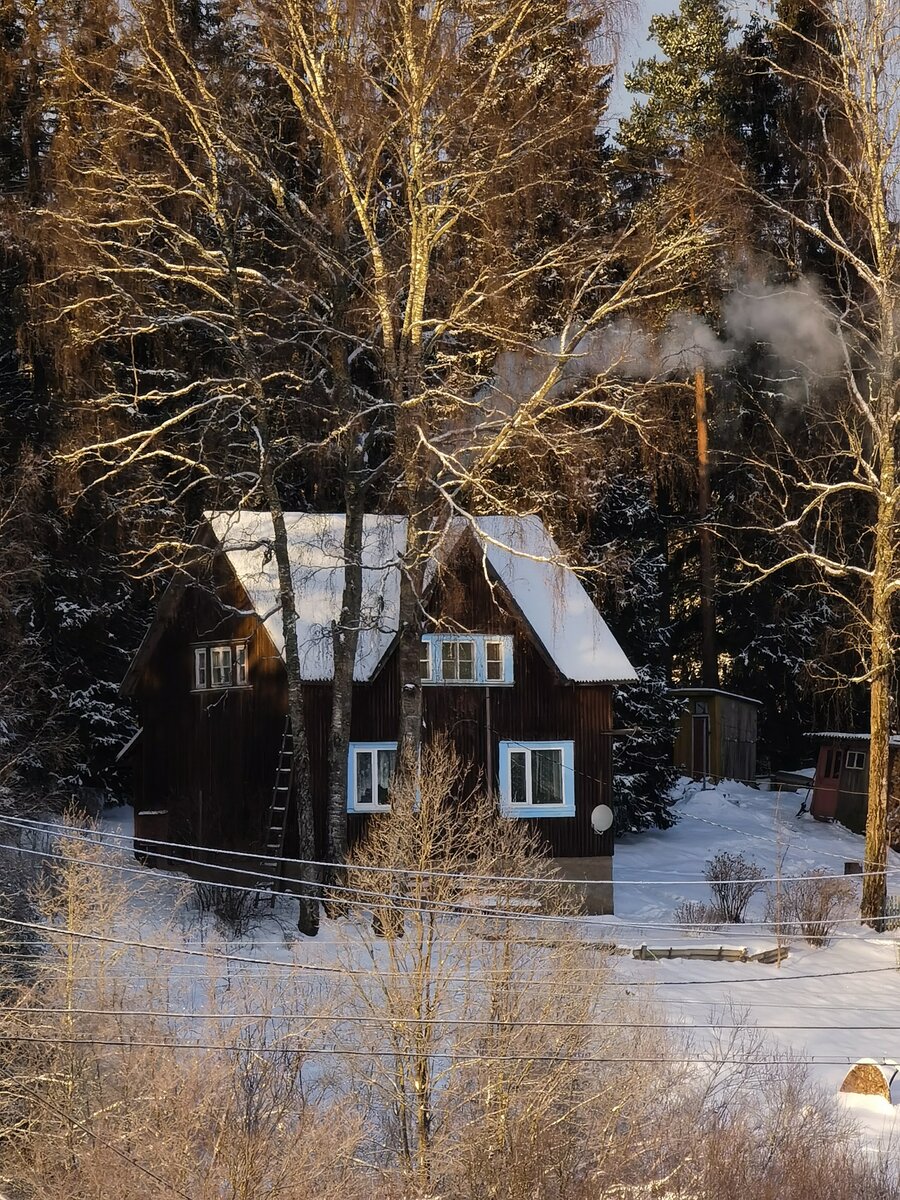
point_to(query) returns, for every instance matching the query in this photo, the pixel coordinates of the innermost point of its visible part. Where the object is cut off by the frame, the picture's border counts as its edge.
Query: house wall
(209, 758)
(850, 805)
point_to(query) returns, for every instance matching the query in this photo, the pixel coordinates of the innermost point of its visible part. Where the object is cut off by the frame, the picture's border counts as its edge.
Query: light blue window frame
(371, 748)
(435, 641)
(531, 810)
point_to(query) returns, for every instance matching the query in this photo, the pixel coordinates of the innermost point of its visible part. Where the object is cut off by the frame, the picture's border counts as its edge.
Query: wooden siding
(209, 757)
(732, 736)
(850, 806)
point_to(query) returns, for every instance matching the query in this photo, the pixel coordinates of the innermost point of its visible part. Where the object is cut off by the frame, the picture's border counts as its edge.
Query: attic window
(473, 658)
(220, 665)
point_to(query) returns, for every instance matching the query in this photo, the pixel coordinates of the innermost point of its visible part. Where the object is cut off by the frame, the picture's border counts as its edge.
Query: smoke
(793, 324)
(792, 327)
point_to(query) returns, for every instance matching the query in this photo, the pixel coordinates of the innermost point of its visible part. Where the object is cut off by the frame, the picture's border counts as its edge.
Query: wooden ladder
(276, 827)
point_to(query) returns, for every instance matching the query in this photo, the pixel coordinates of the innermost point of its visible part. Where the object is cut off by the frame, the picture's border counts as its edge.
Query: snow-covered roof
(317, 566)
(552, 599)
(518, 550)
(834, 736)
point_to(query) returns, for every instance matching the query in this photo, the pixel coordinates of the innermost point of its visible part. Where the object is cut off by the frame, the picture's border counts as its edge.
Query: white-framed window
(240, 665)
(537, 779)
(458, 660)
(856, 760)
(467, 658)
(370, 766)
(220, 675)
(219, 665)
(425, 669)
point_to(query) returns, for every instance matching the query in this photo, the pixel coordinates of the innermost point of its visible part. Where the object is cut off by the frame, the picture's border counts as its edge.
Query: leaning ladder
(273, 863)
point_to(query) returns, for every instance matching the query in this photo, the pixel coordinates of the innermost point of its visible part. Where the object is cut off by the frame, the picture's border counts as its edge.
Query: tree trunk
(875, 881)
(709, 653)
(344, 640)
(301, 777)
(409, 733)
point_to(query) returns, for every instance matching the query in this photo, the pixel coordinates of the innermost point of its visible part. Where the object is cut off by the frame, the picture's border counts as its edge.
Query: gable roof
(317, 566)
(517, 551)
(552, 600)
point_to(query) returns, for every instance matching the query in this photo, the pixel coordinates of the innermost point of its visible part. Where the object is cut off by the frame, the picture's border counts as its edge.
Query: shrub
(733, 880)
(697, 913)
(231, 907)
(814, 904)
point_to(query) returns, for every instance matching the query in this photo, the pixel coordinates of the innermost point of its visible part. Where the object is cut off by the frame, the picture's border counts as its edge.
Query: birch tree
(464, 136)
(834, 490)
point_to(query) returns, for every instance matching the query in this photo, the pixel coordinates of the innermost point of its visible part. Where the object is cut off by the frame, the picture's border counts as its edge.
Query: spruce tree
(628, 539)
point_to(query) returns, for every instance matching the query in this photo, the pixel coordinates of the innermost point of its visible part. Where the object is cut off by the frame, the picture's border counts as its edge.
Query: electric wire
(100, 836)
(399, 902)
(332, 969)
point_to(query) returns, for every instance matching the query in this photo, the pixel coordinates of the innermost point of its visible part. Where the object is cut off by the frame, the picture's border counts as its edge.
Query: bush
(812, 905)
(697, 913)
(231, 907)
(733, 880)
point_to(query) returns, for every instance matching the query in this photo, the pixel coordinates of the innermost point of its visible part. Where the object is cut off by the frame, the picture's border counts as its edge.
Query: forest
(350, 256)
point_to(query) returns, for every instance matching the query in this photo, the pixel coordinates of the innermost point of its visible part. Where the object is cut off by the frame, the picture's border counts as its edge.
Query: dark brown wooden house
(518, 668)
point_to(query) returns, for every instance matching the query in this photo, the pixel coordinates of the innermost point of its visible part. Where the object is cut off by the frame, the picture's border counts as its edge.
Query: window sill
(232, 687)
(360, 810)
(537, 810)
(477, 683)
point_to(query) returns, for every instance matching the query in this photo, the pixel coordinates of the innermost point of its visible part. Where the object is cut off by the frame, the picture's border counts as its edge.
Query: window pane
(448, 660)
(220, 659)
(386, 761)
(363, 777)
(518, 789)
(466, 659)
(240, 664)
(493, 660)
(425, 661)
(200, 668)
(546, 777)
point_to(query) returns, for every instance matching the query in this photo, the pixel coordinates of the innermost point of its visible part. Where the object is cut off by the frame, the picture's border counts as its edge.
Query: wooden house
(518, 668)
(717, 733)
(841, 784)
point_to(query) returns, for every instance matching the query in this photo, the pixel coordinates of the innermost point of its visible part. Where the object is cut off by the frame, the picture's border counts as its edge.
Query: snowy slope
(805, 1005)
(802, 1008)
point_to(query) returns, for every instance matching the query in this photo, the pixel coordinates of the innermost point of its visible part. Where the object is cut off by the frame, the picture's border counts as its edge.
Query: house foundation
(596, 877)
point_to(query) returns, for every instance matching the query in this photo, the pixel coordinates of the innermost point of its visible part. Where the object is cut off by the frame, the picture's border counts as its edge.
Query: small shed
(716, 734)
(841, 787)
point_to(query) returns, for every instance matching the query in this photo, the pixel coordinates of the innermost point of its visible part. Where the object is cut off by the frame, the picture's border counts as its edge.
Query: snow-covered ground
(831, 1006)
(840, 1003)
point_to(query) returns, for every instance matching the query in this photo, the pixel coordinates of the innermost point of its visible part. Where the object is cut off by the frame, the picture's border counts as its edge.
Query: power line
(400, 902)
(374, 972)
(101, 835)
(442, 1056)
(404, 903)
(466, 1022)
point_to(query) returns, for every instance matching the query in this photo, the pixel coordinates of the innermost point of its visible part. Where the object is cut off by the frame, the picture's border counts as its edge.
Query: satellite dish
(601, 818)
